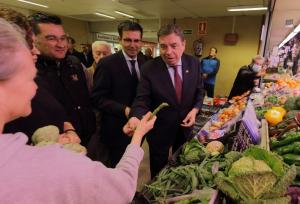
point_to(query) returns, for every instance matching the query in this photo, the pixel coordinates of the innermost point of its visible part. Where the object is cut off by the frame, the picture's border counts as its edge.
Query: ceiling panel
(140, 9)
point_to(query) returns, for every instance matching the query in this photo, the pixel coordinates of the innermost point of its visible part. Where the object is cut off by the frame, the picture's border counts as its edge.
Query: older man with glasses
(115, 83)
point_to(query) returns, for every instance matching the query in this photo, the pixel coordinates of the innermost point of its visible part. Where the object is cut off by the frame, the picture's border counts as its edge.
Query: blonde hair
(10, 42)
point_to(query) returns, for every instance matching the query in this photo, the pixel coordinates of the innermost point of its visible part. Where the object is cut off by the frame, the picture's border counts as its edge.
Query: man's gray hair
(97, 43)
(169, 29)
(10, 42)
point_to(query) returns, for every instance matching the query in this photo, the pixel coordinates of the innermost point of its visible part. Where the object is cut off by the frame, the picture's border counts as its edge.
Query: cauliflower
(47, 133)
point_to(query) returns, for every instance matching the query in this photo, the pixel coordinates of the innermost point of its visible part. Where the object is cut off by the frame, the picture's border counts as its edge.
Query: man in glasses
(62, 75)
(115, 83)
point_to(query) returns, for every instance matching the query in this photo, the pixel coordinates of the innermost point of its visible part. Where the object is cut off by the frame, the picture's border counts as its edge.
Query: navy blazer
(156, 87)
(114, 89)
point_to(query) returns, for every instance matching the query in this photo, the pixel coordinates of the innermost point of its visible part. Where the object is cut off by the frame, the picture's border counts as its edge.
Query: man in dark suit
(86, 56)
(115, 83)
(174, 78)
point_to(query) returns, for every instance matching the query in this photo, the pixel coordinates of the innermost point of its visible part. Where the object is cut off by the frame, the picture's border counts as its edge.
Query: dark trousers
(159, 155)
(209, 88)
(97, 150)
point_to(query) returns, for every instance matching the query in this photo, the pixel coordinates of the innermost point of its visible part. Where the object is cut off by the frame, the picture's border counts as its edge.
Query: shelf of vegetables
(247, 152)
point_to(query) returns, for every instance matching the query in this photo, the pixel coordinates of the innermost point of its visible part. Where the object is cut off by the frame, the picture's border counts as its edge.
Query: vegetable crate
(242, 140)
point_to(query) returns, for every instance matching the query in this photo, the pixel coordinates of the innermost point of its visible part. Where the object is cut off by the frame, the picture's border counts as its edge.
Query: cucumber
(292, 159)
(291, 148)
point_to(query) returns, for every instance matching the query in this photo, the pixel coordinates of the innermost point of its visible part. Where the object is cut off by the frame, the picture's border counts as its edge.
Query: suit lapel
(123, 65)
(140, 61)
(165, 79)
(186, 76)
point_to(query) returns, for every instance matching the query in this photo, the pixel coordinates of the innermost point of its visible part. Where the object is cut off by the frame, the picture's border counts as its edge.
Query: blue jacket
(210, 66)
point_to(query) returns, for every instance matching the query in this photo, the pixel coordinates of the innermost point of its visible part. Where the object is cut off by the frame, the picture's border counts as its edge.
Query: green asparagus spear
(162, 105)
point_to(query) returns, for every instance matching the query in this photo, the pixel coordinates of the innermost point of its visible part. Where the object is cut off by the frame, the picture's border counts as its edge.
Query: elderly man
(115, 83)
(100, 50)
(174, 78)
(248, 76)
(62, 75)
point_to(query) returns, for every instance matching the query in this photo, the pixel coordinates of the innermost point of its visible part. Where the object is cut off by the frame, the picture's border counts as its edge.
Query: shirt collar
(127, 57)
(178, 64)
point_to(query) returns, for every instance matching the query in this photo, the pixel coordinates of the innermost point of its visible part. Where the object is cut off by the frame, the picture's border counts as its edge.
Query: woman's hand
(145, 125)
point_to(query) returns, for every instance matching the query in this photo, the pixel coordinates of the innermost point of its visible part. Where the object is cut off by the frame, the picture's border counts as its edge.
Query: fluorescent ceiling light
(32, 3)
(124, 14)
(247, 8)
(104, 15)
(290, 36)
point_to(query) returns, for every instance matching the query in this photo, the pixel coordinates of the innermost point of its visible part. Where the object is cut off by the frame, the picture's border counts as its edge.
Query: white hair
(97, 43)
(10, 42)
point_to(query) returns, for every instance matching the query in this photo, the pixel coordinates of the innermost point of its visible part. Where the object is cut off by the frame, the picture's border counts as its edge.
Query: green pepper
(289, 139)
(291, 148)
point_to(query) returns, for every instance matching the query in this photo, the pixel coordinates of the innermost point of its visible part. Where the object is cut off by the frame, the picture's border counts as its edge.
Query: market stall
(246, 152)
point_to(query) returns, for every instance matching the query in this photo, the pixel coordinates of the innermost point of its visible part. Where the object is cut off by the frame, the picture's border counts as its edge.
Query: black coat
(156, 87)
(114, 89)
(243, 82)
(66, 82)
(46, 110)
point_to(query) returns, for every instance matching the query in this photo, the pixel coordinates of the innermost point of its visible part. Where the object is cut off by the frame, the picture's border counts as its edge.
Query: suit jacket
(114, 89)
(156, 87)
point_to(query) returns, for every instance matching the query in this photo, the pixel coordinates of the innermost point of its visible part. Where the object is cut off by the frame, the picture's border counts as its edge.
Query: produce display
(258, 162)
(196, 170)
(221, 123)
(288, 146)
(50, 135)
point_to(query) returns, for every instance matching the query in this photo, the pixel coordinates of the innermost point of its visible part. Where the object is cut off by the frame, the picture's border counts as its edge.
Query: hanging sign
(188, 32)
(202, 27)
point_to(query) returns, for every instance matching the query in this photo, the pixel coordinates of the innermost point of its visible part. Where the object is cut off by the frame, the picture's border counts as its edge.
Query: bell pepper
(280, 109)
(273, 117)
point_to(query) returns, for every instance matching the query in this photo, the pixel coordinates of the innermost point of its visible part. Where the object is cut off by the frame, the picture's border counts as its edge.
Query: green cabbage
(248, 165)
(273, 160)
(258, 177)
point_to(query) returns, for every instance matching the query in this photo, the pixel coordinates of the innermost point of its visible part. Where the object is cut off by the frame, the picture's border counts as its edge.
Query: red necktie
(177, 83)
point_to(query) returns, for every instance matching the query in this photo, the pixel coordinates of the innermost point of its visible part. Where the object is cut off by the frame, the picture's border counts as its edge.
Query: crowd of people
(103, 98)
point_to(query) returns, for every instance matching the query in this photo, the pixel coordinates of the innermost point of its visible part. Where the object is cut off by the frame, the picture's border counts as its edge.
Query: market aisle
(144, 170)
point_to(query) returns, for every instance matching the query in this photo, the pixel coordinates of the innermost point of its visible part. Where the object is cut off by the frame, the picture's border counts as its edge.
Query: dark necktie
(177, 83)
(133, 71)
